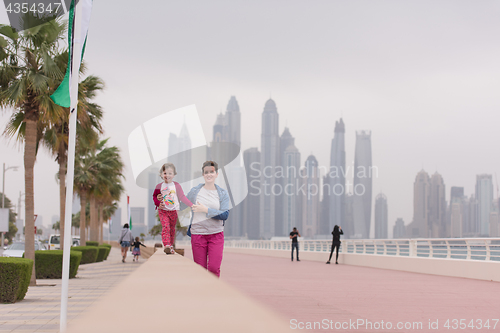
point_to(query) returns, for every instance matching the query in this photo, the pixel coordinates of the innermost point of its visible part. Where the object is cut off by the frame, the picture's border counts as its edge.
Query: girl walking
(166, 197)
(207, 223)
(136, 252)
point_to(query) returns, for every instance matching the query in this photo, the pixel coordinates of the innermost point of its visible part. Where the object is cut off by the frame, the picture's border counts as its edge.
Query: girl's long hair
(336, 229)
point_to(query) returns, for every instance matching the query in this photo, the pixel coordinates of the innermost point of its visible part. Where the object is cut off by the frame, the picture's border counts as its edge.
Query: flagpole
(75, 69)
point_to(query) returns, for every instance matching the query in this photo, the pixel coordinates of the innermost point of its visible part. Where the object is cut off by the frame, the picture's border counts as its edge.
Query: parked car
(17, 249)
(55, 241)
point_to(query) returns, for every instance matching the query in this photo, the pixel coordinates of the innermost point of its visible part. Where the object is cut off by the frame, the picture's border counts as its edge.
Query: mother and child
(210, 206)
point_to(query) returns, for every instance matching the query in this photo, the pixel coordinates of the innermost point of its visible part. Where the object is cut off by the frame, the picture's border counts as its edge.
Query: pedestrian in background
(337, 231)
(125, 240)
(294, 235)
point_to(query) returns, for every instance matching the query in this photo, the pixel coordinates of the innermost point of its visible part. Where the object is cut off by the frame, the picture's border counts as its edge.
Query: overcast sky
(423, 76)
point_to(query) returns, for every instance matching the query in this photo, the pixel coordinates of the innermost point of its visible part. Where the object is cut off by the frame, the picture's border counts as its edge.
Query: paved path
(312, 291)
(40, 309)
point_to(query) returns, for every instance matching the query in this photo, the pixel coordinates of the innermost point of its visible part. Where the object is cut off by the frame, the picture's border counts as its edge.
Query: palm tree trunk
(29, 164)
(94, 237)
(62, 193)
(101, 223)
(83, 218)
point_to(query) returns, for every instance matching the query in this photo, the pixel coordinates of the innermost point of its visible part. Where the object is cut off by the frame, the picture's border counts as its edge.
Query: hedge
(89, 253)
(15, 275)
(49, 264)
(91, 243)
(102, 253)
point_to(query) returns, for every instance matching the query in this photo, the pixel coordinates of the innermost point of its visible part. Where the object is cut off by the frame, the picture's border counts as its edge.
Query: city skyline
(421, 76)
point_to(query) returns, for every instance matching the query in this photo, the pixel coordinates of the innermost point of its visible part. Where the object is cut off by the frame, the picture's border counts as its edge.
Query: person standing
(337, 231)
(210, 210)
(294, 235)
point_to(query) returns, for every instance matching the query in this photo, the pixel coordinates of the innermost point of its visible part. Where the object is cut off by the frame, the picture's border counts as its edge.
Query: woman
(210, 210)
(337, 231)
(125, 240)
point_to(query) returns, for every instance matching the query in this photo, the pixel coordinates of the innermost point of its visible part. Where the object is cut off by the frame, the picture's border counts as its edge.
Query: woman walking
(125, 240)
(210, 210)
(337, 231)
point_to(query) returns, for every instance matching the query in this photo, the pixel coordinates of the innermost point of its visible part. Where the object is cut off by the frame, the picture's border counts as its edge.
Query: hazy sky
(423, 76)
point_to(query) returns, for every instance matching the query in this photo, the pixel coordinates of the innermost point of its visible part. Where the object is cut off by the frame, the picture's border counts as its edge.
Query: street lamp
(3, 189)
(3, 182)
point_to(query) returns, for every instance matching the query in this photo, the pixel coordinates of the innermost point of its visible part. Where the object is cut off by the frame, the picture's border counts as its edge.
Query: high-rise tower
(336, 190)
(381, 216)
(310, 200)
(484, 197)
(270, 159)
(437, 208)
(419, 227)
(362, 184)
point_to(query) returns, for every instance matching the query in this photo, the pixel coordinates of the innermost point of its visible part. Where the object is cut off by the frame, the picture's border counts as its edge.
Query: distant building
(251, 204)
(335, 192)
(419, 227)
(362, 185)
(138, 223)
(437, 208)
(484, 196)
(494, 219)
(399, 230)
(116, 224)
(381, 216)
(270, 159)
(290, 213)
(469, 227)
(456, 211)
(310, 200)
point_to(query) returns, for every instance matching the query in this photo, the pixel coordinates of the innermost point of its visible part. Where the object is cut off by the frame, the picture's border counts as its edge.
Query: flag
(62, 95)
(129, 215)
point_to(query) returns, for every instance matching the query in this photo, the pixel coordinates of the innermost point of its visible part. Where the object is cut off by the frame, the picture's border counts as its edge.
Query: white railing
(487, 249)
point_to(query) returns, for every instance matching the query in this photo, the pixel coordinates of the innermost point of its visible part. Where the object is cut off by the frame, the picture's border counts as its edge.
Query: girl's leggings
(334, 245)
(207, 251)
(168, 219)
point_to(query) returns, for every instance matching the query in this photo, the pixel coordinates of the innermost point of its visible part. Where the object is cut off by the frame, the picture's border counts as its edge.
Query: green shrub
(108, 249)
(107, 245)
(49, 264)
(89, 253)
(15, 275)
(90, 243)
(102, 253)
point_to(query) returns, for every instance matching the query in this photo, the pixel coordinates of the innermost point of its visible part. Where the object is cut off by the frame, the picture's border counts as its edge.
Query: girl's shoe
(172, 251)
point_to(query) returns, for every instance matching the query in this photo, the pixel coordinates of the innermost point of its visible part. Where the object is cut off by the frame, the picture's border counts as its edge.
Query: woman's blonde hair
(166, 166)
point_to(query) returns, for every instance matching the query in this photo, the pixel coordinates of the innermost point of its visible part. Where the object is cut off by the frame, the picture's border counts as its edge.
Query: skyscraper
(251, 204)
(399, 230)
(381, 216)
(484, 196)
(310, 200)
(336, 178)
(290, 197)
(286, 141)
(419, 227)
(362, 185)
(437, 208)
(270, 159)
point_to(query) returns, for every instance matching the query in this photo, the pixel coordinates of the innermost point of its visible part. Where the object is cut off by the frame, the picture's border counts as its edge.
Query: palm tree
(29, 74)
(98, 174)
(88, 123)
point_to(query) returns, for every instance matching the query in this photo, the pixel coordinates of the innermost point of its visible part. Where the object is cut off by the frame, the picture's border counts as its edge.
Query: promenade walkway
(40, 309)
(309, 291)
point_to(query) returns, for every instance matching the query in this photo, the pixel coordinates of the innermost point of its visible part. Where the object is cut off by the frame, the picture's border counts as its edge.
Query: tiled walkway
(40, 309)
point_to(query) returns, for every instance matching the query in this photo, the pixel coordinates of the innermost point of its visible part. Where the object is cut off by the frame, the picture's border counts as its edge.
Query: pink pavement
(309, 291)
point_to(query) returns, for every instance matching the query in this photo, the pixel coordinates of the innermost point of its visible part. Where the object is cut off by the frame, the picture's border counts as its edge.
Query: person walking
(337, 231)
(166, 197)
(137, 248)
(294, 235)
(125, 240)
(210, 210)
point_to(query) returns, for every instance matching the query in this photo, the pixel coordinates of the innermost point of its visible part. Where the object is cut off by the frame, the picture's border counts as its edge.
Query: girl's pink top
(178, 190)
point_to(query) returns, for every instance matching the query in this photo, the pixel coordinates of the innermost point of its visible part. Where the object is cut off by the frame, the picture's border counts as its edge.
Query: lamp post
(3, 189)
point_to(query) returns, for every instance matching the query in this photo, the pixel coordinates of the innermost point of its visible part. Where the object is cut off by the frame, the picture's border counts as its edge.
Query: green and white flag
(62, 95)
(129, 215)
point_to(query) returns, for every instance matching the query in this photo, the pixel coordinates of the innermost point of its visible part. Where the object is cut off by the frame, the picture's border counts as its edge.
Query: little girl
(137, 250)
(166, 197)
